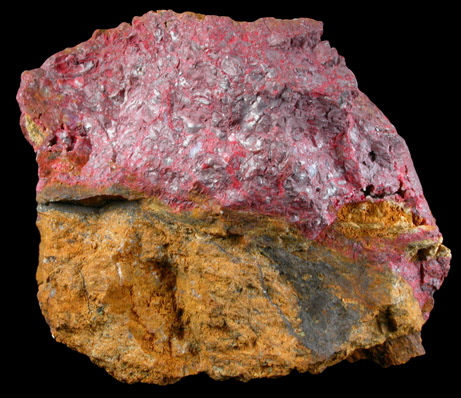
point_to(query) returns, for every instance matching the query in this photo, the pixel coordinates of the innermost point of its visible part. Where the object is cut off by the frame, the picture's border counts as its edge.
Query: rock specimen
(218, 196)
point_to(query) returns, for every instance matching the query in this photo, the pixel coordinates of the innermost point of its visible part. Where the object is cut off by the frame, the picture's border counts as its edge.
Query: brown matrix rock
(153, 295)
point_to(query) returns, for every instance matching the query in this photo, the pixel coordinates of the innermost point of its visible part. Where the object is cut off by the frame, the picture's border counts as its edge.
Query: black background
(405, 60)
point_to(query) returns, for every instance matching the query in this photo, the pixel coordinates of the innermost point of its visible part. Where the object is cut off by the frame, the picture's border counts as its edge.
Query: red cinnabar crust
(260, 116)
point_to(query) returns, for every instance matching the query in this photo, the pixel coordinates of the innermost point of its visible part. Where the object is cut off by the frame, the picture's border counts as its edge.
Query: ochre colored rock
(218, 196)
(154, 295)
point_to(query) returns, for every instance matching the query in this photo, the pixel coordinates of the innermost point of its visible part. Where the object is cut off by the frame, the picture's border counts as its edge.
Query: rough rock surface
(218, 196)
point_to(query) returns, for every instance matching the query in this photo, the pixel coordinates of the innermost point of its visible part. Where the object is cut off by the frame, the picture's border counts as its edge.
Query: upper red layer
(259, 116)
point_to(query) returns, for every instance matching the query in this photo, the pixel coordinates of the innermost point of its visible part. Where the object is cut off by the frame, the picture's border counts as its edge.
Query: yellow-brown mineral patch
(384, 219)
(36, 134)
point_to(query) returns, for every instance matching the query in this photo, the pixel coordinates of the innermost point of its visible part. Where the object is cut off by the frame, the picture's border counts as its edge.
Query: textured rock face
(220, 197)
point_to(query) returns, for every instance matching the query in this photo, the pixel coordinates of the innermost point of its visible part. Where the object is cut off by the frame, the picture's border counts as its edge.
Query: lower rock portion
(153, 295)
(392, 352)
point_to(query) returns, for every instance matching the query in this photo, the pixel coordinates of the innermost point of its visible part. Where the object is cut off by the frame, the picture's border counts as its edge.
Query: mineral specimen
(218, 196)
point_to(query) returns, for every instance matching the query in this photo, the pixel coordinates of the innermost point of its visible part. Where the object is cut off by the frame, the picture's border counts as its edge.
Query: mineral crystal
(218, 196)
